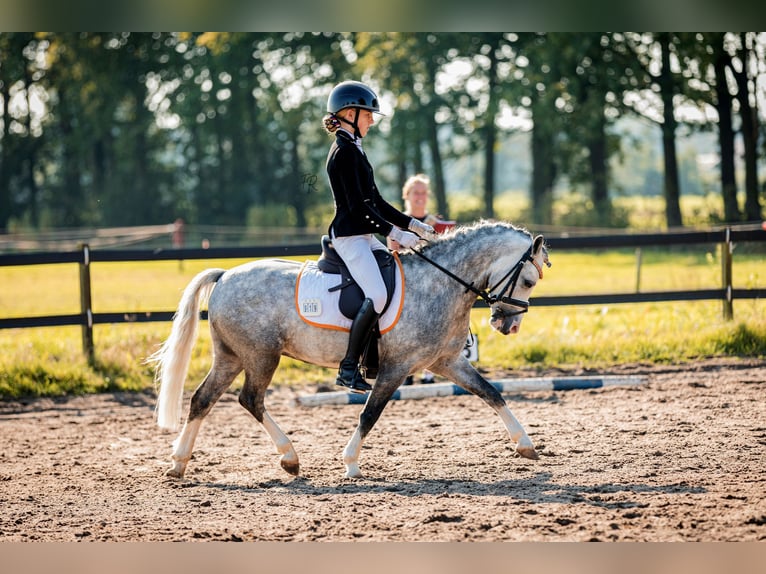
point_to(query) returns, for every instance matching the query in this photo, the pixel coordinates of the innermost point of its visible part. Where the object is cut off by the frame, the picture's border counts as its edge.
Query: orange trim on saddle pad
(319, 307)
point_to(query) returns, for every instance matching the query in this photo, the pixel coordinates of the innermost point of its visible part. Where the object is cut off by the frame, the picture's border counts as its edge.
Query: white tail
(172, 359)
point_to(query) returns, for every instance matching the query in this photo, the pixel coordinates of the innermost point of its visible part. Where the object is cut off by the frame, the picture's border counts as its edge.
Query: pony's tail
(172, 358)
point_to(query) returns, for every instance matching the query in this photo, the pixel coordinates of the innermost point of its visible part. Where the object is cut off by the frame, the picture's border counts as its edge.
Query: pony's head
(509, 257)
(512, 280)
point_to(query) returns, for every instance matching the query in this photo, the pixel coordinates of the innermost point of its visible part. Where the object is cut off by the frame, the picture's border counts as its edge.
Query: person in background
(416, 192)
(360, 213)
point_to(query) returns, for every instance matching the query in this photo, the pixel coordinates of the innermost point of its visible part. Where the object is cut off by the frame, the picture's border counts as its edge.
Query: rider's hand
(422, 229)
(404, 238)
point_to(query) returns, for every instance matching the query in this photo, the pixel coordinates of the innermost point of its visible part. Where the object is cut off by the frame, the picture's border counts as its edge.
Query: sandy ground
(682, 458)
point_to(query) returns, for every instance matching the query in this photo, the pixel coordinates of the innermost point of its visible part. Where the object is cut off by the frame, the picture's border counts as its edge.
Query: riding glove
(422, 229)
(404, 238)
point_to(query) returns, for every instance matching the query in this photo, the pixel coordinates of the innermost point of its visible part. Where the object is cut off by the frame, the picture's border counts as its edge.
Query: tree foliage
(117, 129)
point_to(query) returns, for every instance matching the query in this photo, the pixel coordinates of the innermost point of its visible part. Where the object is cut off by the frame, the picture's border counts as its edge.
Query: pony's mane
(475, 232)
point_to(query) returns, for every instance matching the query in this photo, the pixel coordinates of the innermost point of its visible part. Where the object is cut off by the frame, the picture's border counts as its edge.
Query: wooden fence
(85, 256)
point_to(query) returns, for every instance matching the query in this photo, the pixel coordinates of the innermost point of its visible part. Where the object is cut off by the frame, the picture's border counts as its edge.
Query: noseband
(512, 276)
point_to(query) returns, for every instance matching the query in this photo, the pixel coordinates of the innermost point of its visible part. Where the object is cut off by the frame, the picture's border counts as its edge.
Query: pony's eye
(528, 284)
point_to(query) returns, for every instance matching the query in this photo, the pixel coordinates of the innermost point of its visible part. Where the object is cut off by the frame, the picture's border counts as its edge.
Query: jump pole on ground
(502, 385)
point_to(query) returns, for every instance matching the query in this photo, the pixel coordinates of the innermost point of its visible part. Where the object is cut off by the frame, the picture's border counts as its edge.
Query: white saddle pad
(319, 307)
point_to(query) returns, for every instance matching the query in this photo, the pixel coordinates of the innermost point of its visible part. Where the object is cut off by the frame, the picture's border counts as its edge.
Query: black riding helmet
(352, 94)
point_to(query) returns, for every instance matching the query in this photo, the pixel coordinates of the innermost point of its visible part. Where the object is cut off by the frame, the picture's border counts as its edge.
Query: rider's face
(363, 122)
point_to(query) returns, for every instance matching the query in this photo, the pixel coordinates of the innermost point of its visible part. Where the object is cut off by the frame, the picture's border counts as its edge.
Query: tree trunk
(70, 202)
(437, 181)
(203, 200)
(543, 175)
(296, 191)
(490, 139)
(671, 187)
(31, 156)
(750, 130)
(599, 171)
(725, 136)
(5, 171)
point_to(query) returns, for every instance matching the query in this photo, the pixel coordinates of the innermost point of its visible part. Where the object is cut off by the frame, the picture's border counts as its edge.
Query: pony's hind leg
(379, 396)
(252, 396)
(218, 379)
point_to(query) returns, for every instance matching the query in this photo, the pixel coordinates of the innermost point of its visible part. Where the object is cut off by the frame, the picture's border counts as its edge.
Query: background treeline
(120, 129)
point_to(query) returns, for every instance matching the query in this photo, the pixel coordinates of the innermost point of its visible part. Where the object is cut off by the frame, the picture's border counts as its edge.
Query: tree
(669, 84)
(407, 65)
(669, 125)
(138, 128)
(599, 69)
(744, 68)
(539, 57)
(19, 142)
(723, 105)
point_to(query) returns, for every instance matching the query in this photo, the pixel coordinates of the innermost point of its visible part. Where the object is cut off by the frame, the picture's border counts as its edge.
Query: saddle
(352, 296)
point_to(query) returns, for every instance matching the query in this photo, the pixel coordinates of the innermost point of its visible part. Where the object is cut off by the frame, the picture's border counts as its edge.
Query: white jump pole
(502, 385)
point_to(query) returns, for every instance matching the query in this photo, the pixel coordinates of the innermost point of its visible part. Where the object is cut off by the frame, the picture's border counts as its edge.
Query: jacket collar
(341, 133)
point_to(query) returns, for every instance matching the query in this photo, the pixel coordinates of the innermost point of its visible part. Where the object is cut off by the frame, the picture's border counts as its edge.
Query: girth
(351, 295)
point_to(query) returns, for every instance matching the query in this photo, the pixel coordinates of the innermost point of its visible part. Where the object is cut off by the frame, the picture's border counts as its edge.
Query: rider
(360, 212)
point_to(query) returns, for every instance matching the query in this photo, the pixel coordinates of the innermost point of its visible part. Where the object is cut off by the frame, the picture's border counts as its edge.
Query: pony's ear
(539, 245)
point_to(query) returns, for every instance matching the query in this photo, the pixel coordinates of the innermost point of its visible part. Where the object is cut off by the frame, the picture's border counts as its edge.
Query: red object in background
(763, 225)
(440, 226)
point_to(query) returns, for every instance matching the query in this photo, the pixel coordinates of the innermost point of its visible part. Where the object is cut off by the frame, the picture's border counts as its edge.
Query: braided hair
(331, 123)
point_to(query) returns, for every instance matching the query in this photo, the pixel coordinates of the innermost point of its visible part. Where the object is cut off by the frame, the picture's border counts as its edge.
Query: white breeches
(356, 252)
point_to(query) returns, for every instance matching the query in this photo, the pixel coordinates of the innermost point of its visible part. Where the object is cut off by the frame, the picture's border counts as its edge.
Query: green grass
(49, 361)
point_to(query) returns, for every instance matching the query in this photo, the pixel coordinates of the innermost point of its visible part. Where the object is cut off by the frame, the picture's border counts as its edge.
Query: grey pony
(253, 322)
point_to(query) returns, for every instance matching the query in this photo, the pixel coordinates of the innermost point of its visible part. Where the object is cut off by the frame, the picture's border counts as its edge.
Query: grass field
(49, 361)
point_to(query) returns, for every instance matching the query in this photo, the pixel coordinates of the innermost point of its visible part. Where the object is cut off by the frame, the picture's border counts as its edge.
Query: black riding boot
(348, 373)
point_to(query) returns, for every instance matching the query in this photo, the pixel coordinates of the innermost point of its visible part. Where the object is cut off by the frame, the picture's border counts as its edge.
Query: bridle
(512, 277)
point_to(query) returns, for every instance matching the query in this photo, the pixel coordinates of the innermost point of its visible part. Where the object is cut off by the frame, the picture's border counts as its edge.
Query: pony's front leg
(376, 402)
(524, 445)
(464, 375)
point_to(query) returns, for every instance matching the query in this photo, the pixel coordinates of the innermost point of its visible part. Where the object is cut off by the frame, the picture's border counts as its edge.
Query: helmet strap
(353, 124)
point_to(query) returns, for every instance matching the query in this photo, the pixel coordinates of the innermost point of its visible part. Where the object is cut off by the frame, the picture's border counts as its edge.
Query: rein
(486, 295)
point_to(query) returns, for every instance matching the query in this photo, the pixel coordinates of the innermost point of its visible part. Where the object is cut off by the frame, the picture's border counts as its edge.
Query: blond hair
(412, 180)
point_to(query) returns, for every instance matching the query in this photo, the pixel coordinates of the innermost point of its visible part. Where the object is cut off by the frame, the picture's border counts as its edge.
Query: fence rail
(85, 256)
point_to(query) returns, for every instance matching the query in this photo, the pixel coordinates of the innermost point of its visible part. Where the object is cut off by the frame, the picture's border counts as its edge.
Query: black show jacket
(359, 207)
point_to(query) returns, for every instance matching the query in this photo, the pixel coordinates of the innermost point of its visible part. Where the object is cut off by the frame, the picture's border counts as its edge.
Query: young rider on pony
(360, 212)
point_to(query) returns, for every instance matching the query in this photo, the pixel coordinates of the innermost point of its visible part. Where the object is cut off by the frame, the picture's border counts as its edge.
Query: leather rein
(512, 276)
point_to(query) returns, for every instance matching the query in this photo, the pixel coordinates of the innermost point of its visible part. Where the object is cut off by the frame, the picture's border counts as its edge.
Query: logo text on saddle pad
(311, 307)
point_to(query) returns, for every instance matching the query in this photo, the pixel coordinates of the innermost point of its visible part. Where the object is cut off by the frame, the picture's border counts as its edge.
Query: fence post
(638, 269)
(85, 304)
(726, 252)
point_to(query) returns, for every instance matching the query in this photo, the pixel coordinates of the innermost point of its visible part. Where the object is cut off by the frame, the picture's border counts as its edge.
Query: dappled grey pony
(253, 322)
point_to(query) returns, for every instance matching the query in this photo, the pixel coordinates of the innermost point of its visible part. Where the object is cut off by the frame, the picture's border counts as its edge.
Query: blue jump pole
(502, 385)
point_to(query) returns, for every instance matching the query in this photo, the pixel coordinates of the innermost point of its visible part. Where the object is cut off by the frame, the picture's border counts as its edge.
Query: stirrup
(357, 384)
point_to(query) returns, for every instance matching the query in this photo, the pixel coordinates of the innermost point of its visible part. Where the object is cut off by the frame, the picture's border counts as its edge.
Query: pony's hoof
(290, 467)
(175, 472)
(353, 471)
(528, 452)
